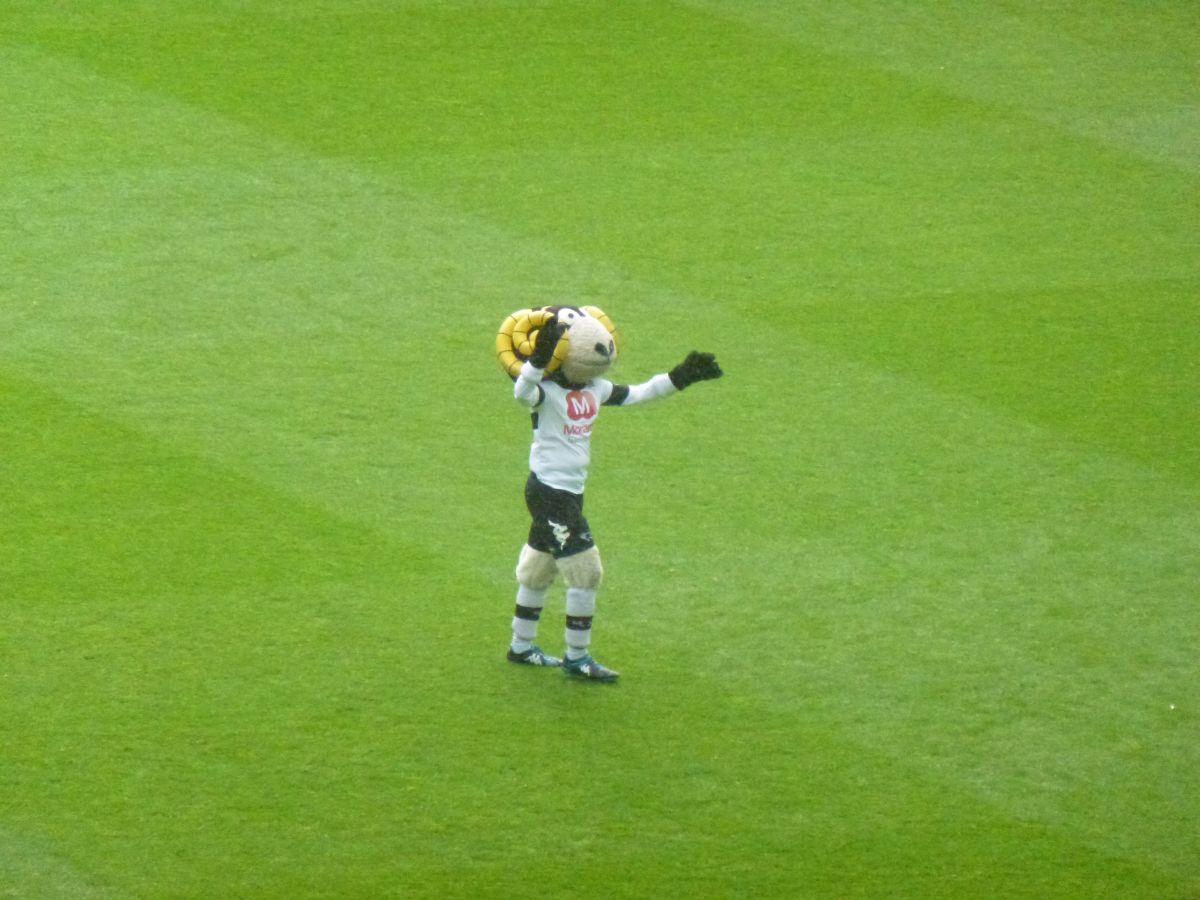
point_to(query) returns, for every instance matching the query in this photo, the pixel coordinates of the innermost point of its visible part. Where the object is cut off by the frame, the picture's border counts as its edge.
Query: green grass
(904, 606)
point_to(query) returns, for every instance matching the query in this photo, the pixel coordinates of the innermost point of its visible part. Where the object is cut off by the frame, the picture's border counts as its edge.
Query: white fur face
(591, 350)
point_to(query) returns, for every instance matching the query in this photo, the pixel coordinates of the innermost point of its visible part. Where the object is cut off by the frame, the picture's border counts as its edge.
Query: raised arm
(697, 367)
(527, 389)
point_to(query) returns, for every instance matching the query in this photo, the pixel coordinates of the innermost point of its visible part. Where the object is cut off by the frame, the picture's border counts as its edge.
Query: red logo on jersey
(581, 405)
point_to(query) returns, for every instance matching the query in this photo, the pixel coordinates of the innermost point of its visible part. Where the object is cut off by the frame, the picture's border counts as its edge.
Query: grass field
(904, 606)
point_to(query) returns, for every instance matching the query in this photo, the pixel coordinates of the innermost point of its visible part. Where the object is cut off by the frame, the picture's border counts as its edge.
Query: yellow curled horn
(518, 333)
(506, 349)
(516, 337)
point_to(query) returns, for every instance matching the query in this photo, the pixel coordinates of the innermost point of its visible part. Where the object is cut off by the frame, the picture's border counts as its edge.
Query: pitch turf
(904, 606)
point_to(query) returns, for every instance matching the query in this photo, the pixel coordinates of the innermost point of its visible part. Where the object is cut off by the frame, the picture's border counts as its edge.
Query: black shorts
(559, 527)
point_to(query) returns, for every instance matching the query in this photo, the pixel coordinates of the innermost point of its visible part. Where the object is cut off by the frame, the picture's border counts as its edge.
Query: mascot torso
(562, 431)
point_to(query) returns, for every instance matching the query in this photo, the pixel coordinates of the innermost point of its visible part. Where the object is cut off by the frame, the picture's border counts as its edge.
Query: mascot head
(591, 349)
(586, 350)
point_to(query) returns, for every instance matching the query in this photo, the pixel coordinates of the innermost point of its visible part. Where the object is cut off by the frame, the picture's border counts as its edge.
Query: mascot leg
(535, 574)
(583, 573)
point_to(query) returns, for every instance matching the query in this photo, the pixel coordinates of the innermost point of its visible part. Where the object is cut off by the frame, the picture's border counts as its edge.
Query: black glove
(545, 342)
(697, 367)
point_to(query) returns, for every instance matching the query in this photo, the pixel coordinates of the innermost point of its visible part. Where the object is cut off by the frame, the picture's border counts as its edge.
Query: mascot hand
(546, 341)
(697, 367)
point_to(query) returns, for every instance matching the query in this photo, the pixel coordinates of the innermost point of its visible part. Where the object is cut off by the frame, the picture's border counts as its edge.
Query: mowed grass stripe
(1111, 365)
(29, 870)
(697, 418)
(660, 430)
(748, 166)
(265, 738)
(1009, 601)
(268, 307)
(929, 201)
(643, 427)
(1117, 74)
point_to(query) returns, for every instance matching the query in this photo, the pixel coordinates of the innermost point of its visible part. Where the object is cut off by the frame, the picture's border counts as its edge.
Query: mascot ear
(597, 313)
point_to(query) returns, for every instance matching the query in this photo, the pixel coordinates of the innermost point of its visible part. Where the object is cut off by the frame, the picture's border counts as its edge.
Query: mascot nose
(604, 350)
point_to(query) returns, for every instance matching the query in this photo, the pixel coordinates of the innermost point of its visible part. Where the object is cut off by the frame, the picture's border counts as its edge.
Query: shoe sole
(583, 676)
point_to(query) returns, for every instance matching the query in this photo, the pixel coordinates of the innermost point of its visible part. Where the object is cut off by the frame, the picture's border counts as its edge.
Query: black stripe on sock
(579, 623)
(529, 613)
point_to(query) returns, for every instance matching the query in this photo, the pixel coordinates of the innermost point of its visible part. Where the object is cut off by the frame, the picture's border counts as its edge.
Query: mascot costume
(556, 356)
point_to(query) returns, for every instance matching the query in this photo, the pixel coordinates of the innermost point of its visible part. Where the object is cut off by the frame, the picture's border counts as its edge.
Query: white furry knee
(582, 570)
(535, 569)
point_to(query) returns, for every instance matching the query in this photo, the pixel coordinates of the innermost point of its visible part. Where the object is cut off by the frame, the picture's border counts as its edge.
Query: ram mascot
(557, 357)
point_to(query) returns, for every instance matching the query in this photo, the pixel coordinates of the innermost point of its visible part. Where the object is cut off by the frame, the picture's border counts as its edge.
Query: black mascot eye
(602, 350)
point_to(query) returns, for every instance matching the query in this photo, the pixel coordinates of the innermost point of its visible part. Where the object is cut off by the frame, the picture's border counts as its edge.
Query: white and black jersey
(563, 418)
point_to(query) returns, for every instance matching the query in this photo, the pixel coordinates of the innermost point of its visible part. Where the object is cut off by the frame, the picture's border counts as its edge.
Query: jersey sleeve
(628, 395)
(527, 389)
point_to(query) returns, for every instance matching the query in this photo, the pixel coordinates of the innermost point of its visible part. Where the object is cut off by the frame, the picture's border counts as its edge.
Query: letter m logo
(581, 405)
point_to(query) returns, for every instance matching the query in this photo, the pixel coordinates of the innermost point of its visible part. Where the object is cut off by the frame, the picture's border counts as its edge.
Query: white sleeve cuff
(527, 388)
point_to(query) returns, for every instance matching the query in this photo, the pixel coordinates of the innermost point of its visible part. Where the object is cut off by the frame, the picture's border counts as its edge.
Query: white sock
(581, 604)
(525, 618)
